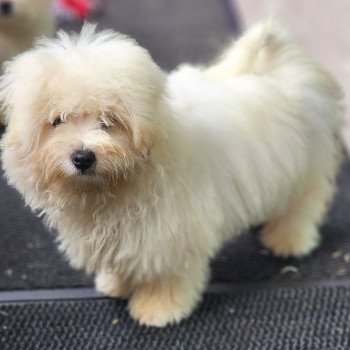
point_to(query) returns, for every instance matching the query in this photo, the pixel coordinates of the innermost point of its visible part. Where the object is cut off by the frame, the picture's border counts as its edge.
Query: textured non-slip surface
(314, 318)
(29, 258)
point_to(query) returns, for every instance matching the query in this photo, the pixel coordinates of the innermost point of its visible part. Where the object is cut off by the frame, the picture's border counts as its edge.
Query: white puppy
(20, 22)
(145, 175)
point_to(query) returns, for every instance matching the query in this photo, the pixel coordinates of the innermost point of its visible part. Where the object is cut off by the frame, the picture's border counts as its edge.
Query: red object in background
(81, 8)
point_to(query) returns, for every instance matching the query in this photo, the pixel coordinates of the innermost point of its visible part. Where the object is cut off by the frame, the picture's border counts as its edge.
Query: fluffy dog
(145, 175)
(20, 22)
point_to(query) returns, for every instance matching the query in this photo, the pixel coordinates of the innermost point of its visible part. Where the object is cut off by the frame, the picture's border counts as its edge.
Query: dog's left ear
(144, 139)
(133, 121)
(140, 132)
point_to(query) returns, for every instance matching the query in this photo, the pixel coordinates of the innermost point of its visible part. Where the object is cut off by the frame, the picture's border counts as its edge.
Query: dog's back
(268, 50)
(265, 90)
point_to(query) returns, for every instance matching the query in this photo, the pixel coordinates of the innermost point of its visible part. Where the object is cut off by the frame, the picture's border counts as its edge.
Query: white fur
(28, 20)
(253, 138)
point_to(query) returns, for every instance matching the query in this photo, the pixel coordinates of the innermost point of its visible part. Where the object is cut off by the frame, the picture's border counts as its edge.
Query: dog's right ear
(22, 80)
(12, 85)
(20, 87)
(5, 93)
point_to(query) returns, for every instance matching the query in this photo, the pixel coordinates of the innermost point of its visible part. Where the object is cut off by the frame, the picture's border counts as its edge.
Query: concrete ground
(321, 25)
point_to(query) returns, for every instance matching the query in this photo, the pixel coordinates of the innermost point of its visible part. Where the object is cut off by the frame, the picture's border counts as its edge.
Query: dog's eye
(57, 121)
(103, 125)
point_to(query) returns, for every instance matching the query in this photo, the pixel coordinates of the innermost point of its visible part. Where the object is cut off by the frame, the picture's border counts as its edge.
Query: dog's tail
(269, 50)
(249, 54)
(262, 50)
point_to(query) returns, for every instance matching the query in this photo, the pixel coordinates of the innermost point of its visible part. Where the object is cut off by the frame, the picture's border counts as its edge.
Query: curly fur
(185, 161)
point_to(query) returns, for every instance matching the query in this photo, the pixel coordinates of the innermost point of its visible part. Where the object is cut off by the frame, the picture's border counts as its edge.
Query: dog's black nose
(83, 160)
(6, 7)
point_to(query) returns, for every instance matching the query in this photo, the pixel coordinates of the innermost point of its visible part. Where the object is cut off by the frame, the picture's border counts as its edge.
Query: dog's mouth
(86, 173)
(87, 177)
(92, 180)
(86, 181)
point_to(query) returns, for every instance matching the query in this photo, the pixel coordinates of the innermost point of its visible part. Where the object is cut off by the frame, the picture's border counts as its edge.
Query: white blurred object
(21, 21)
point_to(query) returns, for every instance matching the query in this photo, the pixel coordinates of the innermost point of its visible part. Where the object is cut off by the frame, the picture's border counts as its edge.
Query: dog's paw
(111, 285)
(286, 241)
(159, 306)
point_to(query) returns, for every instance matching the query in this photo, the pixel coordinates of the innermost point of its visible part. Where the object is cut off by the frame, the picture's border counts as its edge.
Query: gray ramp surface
(309, 318)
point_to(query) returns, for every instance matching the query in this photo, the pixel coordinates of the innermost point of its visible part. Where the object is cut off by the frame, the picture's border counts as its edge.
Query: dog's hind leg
(295, 233)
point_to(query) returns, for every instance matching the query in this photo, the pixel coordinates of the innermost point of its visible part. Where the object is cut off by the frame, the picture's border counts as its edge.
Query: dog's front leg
(113, 285)
(168, 300)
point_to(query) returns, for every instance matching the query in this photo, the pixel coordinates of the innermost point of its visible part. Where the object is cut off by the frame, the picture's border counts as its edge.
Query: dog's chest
(106, 235)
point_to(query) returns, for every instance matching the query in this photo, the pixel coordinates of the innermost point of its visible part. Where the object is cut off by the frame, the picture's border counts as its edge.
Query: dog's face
(14, 10)
(81, 112)
(97, 142)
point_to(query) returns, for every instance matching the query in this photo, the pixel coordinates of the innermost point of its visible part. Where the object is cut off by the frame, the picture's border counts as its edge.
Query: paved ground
(321, 25)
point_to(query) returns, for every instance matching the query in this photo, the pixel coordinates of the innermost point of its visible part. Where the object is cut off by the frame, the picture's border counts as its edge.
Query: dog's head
(81, 111)
(19, 10)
